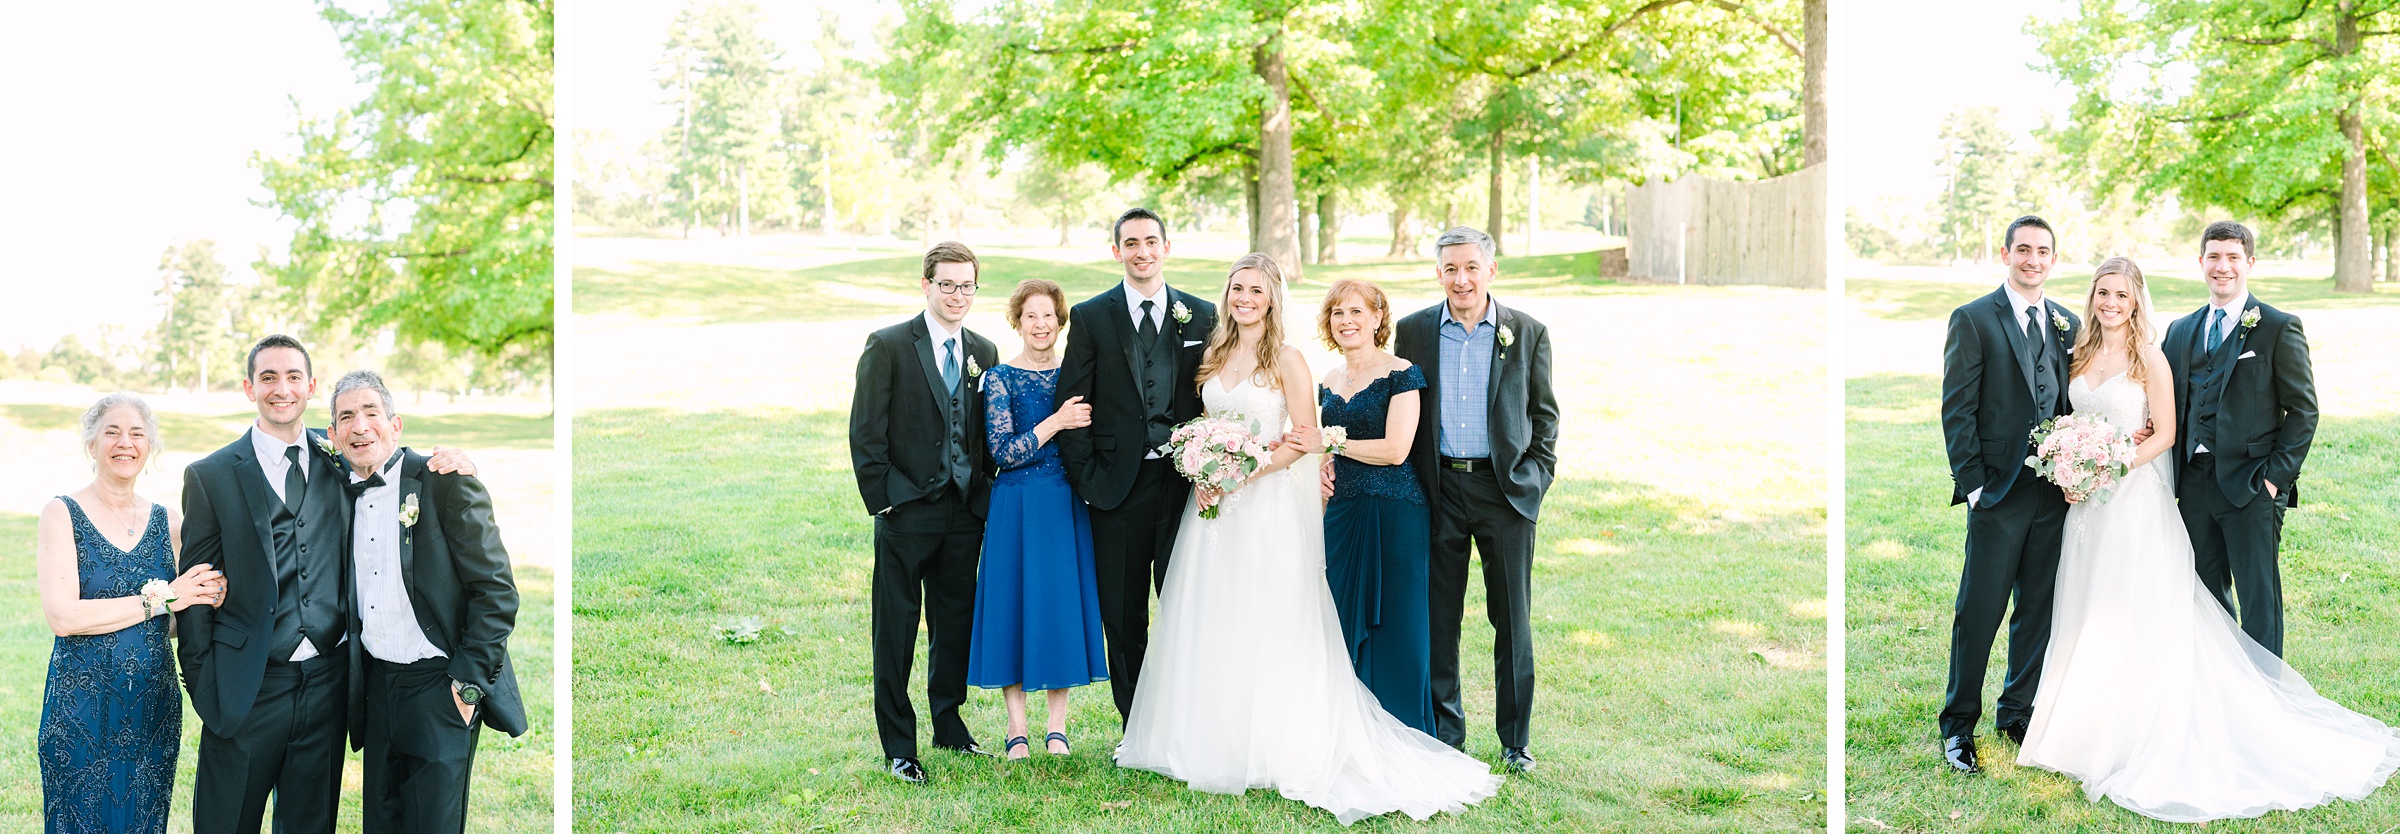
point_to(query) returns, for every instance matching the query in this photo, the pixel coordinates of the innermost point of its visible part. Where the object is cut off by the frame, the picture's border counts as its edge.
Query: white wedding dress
(2152, 696)
(1247, 683)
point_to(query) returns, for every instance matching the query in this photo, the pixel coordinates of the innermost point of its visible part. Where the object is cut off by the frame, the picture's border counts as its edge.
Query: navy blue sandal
(1061, 738)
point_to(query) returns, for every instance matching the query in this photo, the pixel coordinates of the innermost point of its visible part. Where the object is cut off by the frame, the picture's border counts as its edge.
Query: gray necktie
(2216, 330)
(295, 490)
(950, 363)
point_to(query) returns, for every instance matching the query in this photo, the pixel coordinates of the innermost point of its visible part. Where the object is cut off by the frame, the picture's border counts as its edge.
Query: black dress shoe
(968, 748)
(1959, 751)
(907, 770)
(1517, 759)
(2016, 731)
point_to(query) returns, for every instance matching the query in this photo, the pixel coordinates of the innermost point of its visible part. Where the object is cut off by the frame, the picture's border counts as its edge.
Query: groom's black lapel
(2018, 344)
(257, 494)
(933, 373)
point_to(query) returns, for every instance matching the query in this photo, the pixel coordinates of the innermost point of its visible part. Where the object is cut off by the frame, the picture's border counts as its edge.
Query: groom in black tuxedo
(2004, 371)
(1133, 353)
(917, 447)
(1486, 451)
(2245, 411)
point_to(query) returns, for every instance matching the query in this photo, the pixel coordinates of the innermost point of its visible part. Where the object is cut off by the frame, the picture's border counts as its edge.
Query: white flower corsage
(973, 369)
(2250, 318)
(157, 595)
(408, 510)
(1507, 336)
(1182, 314)
(326, 446)
(2058, 321)
(1336, 437)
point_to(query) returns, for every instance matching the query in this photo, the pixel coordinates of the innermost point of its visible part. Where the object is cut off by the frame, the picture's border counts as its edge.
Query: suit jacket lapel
(411, 485)
(258, 497)
(2019, 347)
(933, 373)
(1423, 334)
(1491, 388)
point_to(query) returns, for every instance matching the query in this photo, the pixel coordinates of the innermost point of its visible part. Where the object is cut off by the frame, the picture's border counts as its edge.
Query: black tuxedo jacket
(227, 507)
(1524, 411)
(460, 588)
(1099, 366)
(1988, 411)
(899, 412)
(2268, 414)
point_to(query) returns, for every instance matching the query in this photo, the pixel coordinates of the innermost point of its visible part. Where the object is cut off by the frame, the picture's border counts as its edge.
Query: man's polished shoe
(1959, 751)
(2016, 731)
(970, 749)
(1517, 759)
(907, 770)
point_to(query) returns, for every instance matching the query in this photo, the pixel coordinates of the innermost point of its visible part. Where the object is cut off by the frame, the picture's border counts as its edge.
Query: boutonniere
(2058, 321)
(2250, 318)
(325, 446)
(1507, 336)
(408, 510)
(973, 368)
(1182, 314)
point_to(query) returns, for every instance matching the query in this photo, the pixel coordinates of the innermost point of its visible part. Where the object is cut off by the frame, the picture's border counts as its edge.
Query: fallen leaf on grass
(1117, 806)
(1875, 822)
(1958, 815)
(763, 687)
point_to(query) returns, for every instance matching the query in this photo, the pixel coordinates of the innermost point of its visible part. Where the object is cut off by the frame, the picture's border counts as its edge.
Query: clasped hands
(202, 584)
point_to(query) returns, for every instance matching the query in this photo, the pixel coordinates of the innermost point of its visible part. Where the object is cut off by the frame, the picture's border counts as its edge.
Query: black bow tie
(358, 488)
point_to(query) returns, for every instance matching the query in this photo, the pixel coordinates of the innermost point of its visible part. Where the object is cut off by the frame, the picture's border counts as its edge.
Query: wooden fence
(1704, 231)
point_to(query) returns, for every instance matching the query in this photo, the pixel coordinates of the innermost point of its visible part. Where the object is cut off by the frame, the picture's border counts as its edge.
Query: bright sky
(618, 44)
(1909, 63)
(130, 128)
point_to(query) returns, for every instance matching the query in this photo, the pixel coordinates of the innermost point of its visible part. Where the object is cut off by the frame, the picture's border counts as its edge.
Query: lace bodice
(1262, 407)
(1362, 416)
(1016, 400)
(2118, 399)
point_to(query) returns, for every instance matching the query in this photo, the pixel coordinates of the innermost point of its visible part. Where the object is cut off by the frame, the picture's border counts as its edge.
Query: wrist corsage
(157, 595)
(1335, 437)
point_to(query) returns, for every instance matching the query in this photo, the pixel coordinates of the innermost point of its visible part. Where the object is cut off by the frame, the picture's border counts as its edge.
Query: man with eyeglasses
(917, 447)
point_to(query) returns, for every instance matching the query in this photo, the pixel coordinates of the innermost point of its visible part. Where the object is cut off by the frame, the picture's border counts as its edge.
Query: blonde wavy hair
(2137, 321)
(1226, 336)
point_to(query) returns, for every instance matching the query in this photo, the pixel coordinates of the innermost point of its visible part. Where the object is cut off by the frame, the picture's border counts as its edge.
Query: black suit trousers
(292, 745)
(1473, 512)
(926, 551)
(2234, 549)
(420, 755)
(1130, 546)
(2012, 548)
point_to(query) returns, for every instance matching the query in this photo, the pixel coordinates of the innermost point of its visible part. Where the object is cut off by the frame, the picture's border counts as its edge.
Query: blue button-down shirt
(1466, 375)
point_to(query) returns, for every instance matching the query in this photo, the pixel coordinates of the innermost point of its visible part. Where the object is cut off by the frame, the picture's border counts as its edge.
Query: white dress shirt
(2233, 322)
(941, 332)
(1158, 306)
(273, 464)
(2018, 303)
(390, 632)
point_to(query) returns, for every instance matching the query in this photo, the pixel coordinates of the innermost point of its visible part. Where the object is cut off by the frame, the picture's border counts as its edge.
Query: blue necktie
(950, 364)
(2216, 330)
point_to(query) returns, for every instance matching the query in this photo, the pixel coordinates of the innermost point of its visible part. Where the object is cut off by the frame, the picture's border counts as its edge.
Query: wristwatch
(468, 693)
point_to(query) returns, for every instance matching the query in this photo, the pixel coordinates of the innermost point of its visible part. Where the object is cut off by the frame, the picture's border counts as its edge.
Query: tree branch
(1196, 157)
(1789, 45)
(1110, 49)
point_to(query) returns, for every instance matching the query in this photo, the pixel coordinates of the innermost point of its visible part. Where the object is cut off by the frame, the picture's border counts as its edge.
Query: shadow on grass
(2341, 593)
(202, 433)
(1681, 657)
(879, 285)
(1899, 300)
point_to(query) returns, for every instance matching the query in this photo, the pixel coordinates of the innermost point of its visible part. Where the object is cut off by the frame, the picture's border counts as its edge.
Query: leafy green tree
(721, 71)
(426, 207)
(1981, 171)
(2263, 108)
(197, 330)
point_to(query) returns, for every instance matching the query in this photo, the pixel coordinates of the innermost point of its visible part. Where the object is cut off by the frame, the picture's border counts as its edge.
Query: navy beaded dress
(112, 719)
(1037, 599)
(1378, 540)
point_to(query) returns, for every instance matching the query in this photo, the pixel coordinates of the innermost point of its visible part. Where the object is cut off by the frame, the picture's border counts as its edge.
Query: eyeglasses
(949, 288)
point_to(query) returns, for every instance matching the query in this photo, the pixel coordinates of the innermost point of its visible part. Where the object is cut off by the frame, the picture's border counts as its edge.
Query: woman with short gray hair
(104, 561)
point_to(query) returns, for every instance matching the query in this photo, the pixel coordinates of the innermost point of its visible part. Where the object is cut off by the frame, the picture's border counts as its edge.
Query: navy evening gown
(112, 719)
(1378, 540)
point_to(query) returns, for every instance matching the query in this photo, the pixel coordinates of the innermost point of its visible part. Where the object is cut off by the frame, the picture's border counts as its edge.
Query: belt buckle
(1462, 464)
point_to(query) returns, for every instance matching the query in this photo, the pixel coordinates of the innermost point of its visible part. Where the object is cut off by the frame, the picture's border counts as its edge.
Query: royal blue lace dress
(112, 719)
(1037, 600)
(1378, 539)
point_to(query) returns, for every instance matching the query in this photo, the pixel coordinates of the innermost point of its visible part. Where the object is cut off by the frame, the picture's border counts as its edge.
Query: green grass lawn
(194, 432)
(512, 790)
(2341, 592)
(2177, 291)
(1679, 616)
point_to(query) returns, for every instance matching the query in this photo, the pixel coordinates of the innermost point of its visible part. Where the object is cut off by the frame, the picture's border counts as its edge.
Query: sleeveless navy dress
(1378, 543)
(1037, 598)
(112, 719)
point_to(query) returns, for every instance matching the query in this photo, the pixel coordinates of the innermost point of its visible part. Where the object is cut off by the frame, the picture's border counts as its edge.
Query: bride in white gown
(1248, 684)
(2150, 694)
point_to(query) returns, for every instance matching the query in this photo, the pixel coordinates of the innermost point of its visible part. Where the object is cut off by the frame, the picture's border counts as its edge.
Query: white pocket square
(1191, 343)
(2245, 355)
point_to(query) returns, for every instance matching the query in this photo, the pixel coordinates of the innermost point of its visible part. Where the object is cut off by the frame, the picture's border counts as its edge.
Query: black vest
(2209, 375)
(2043, 358)
(1155, 367)
(954, 436)
(306, 553)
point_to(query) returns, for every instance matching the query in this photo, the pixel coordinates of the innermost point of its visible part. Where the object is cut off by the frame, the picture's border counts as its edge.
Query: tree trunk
(1066, 222)
(1276, 197)
(741, 181)
(1816, 118)
(1250, 193)
(1329, 226)
(2353, 263)
(827, 184)
(1495, 207)
(1533, 201)
(1401, 245)
(2391, 252)
(1307, 232)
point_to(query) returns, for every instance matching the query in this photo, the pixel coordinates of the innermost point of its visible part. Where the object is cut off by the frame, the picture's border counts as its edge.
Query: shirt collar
(1491, 311)
(389, 465)
(2238, 304)
(941, 331)
(270, 446)
(1134, 297)
(2016, 299)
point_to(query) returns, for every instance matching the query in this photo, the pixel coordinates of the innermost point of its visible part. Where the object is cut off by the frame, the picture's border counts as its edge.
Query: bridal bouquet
(2084, 456)
(1218, 452)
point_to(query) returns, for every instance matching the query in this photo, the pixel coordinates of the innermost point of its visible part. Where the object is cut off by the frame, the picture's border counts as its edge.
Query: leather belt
(1466, 464)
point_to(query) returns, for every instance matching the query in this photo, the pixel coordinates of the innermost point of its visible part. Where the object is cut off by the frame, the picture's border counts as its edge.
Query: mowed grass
(2341, 593)
(1679, 613)
(2177, 290)
(513, 783)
